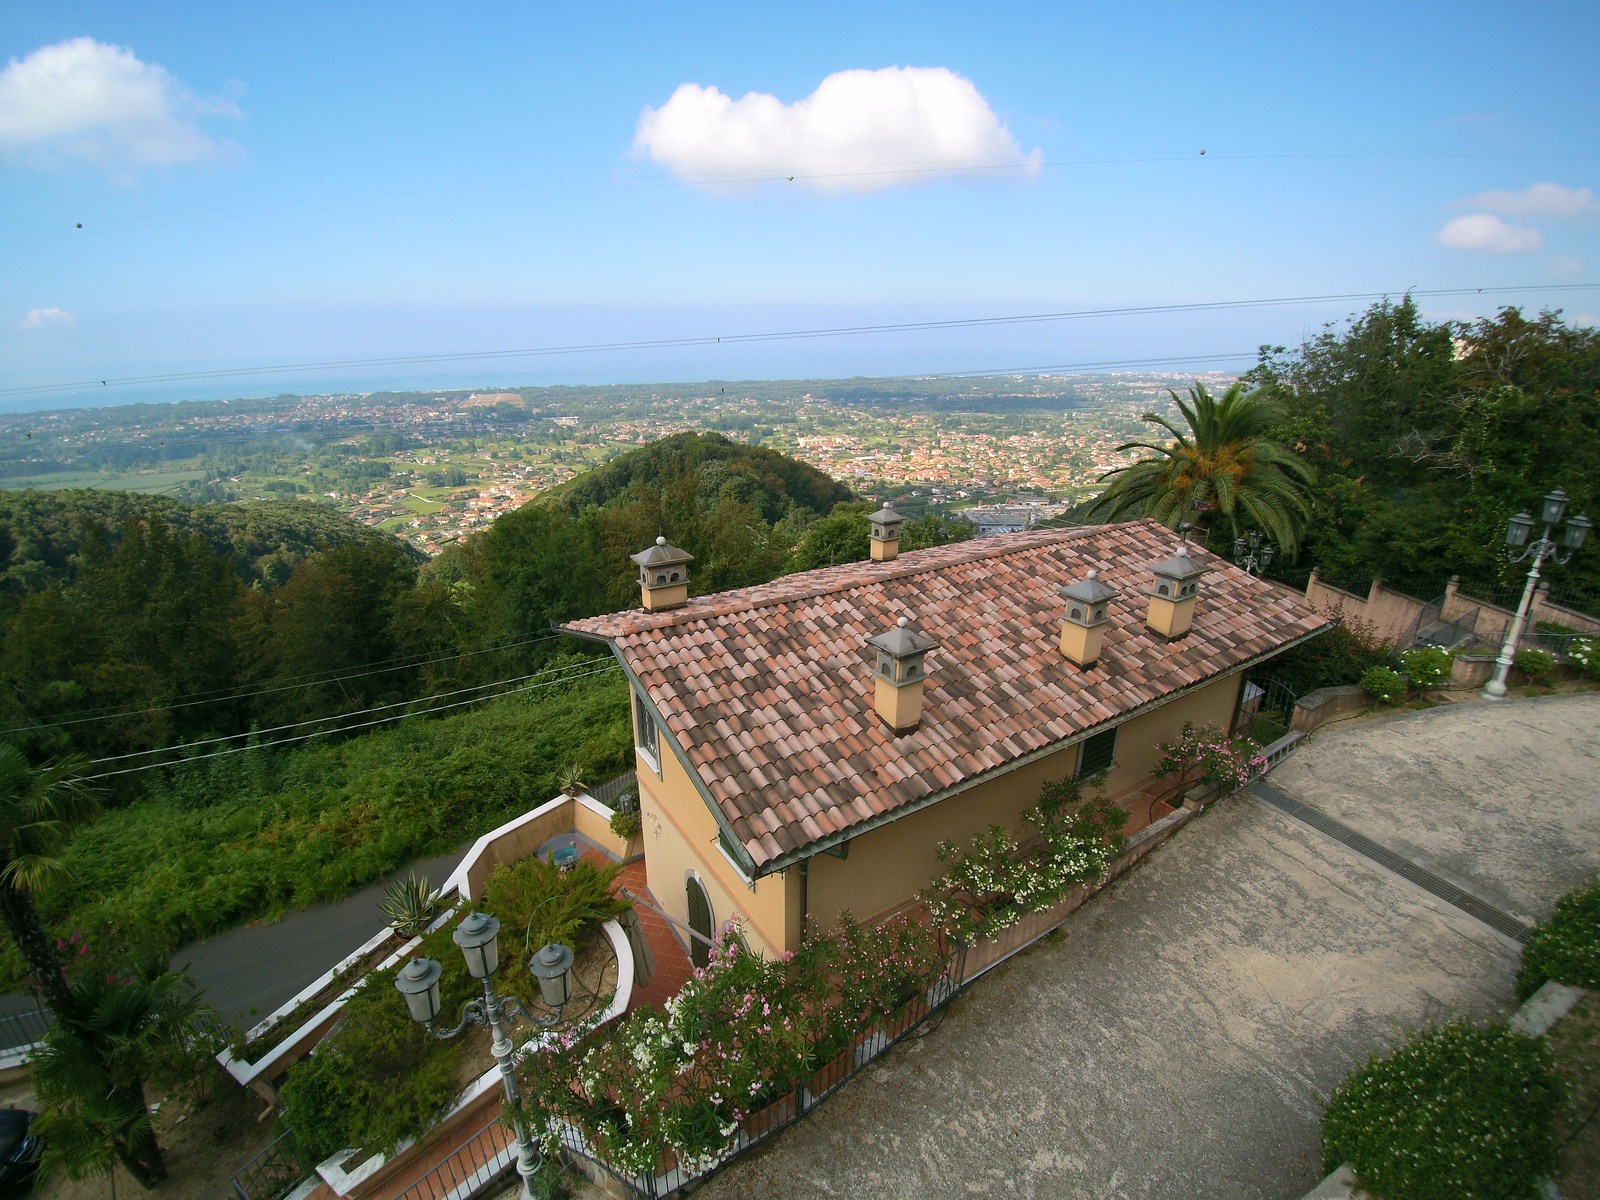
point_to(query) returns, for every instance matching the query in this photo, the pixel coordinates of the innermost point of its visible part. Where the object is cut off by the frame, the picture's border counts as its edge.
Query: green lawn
(129, 481)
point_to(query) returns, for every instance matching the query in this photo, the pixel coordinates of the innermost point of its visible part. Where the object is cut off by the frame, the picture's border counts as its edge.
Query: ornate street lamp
(1517, 531)
(477, 935)
(1254, 553)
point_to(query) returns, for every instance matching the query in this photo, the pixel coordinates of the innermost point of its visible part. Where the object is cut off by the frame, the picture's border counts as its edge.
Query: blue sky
(283, 184)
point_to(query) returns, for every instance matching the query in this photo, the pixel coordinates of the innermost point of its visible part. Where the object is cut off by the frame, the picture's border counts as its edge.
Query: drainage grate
(1448, 892)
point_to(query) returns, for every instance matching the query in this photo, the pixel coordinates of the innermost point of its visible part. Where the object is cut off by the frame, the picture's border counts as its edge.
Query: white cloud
(1563, 266)
(86, 101)
(47, 318)
(1482, 231)
(859, 131)
(1540, 200)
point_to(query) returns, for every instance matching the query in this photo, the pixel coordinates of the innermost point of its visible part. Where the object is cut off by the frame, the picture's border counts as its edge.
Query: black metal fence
(273, 1173)
(486, 1156)
(23, 1028)
(797, 1098)
(620, 794)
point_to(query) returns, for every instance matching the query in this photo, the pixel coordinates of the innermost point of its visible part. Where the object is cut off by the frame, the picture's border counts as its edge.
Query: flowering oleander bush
(996, 880)
(1427, 667)
(1204, 754)
(744, 1030)
(1566, 947)
(1382, 684)
(1584, 653)
(1457, 1113)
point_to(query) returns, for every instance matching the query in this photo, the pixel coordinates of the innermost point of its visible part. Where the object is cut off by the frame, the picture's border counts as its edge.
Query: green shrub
(177, 866)
(1457, 1113)
(1382, 684)
(379, 1077)
(1427, 667)
(1334, 659)
(1566, 947)
(1537, 666)
(538, 902)
(625, 824)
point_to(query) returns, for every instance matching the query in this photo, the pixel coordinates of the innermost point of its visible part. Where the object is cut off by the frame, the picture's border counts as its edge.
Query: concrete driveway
(1501, 799)
(1178, 1039)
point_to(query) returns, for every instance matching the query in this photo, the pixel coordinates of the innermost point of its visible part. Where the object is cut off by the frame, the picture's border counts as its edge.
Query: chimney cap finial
(661, 540)
(903, 622)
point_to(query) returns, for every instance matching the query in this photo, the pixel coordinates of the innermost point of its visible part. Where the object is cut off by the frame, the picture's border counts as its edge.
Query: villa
(804, 746)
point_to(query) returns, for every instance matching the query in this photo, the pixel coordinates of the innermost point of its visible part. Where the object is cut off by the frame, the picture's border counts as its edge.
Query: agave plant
(409, 904)
(572, 782)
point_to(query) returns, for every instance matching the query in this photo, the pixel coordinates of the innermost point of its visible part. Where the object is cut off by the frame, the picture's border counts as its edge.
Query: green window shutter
(1096, 754)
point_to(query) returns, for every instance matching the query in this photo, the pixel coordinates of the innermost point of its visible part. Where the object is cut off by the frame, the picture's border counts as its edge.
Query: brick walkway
(672, 966)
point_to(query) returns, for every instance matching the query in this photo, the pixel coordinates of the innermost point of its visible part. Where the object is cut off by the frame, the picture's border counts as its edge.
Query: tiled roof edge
(784, 861)
(788, 588)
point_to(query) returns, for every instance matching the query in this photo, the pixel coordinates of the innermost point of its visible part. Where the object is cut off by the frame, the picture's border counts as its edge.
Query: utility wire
(221, 696)
(575, 670)
(779, 336)
(342, 729)
(361, 202)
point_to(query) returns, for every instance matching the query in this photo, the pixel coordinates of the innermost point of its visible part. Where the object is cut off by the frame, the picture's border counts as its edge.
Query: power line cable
(701, 340)
(342, 729)
(305, 681)
(576, 670)
(744, 177)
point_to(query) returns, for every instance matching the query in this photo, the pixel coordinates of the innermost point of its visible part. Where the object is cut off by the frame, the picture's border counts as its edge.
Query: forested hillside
(279, 704)
(1427, 436)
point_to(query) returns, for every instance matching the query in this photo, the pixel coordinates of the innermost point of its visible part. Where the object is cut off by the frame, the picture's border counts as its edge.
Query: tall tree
(92, 1071)
(39, 807)
(1220, 462)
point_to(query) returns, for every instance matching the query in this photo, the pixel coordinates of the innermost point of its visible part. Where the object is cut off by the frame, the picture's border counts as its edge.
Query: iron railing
(273, 1173)
(22, 1029)
(794, 1098)
(612, 791)
(471, 1167)
(1354, 585)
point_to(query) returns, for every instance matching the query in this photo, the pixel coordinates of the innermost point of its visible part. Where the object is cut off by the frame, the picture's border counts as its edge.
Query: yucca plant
(409, 904)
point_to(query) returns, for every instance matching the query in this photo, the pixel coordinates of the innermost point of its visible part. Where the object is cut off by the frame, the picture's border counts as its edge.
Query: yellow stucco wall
(888, 865)
(680, 835)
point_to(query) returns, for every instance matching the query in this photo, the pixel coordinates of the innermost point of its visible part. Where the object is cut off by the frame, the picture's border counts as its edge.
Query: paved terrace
(1178, 1039)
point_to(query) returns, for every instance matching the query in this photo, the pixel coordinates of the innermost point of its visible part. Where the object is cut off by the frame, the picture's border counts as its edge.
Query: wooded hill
(1427, 436)
(133, 622)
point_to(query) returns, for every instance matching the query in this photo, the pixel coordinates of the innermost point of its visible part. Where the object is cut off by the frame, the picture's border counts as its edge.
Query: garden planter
(782, 1109)
(830, 1075)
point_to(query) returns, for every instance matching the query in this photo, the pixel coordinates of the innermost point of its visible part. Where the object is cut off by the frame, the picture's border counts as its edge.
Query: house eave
(783, 861)
(745, 863)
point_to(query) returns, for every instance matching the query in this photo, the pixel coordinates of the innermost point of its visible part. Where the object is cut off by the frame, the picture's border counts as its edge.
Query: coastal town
(431, 467)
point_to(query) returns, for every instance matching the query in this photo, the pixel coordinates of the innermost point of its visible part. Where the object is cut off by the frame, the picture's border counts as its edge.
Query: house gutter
(784, 861)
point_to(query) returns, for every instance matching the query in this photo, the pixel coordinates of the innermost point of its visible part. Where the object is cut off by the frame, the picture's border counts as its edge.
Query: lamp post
(1253, 553)
(1517, 531)
(477, 936)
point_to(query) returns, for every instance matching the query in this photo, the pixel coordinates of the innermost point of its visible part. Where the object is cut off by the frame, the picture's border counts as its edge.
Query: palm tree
(1222, 462)
(39, 808)
(90, 1074)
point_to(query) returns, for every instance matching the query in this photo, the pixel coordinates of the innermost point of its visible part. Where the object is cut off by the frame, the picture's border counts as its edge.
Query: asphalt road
(247, 972)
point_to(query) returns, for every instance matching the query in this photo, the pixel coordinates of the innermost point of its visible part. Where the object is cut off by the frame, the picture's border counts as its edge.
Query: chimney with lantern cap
(898, 674)
(663, 576)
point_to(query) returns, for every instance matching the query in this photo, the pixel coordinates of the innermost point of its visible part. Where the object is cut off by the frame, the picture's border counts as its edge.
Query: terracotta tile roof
(768, 690)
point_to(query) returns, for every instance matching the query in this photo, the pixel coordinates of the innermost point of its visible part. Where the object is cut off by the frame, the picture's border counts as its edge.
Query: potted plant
(572, 782)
